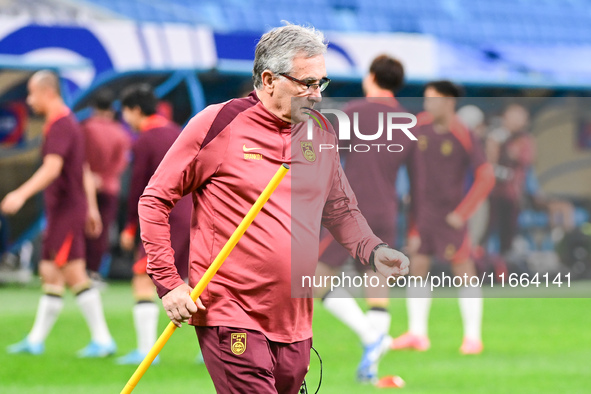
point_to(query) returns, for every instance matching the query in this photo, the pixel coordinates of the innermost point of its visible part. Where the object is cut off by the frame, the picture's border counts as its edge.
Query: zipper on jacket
(284, 146)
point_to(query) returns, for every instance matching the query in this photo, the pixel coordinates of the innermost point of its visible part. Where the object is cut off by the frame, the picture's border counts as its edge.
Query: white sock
(471, 310)
(343, 307)
(48, 310)
(145, 319)
(26, 254)
(418, 303)
(379, 319)
(91, 306)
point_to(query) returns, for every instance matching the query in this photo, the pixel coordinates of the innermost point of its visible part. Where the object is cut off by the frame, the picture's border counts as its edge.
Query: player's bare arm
(94, 225)
(179, 305)
(127, 240)
(413, 245)
(43, 177)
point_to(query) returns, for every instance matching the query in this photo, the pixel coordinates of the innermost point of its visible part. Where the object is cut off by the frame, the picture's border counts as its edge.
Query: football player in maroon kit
(156, 135)
(70, 206)
(446, 152)
(372, 176)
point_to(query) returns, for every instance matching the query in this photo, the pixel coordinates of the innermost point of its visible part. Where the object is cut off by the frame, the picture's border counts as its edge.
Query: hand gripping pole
(211, 271)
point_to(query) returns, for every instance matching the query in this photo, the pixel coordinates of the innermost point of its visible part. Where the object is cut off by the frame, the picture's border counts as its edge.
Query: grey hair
(277, 48)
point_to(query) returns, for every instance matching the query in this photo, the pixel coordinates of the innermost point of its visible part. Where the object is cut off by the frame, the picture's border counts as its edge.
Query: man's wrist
(22, 193)
(173, 284)
(372, 262)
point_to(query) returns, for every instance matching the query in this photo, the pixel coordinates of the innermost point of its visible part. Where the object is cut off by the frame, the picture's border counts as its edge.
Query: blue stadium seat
(345, 20)
(481, 21)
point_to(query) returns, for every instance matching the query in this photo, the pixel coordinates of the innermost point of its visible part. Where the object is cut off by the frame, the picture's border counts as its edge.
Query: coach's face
(282, 89)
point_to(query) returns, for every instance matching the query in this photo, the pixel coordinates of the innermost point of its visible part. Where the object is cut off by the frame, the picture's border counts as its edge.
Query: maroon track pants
(245, 361)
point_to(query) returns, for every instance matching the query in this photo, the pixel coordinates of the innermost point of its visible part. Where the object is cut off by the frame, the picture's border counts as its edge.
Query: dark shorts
(245, 361)
(63, 239)
(97, 247)
(503, 216)
(335, 255)
(445, 243)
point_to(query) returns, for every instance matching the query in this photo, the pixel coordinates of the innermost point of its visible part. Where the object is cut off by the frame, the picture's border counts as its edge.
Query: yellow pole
(213, 268)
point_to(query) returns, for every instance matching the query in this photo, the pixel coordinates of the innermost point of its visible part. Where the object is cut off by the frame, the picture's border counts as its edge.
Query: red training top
(516, 156)
(225, 157)
(107, 149)
(372, 175)
(442, 164)
(157, 134)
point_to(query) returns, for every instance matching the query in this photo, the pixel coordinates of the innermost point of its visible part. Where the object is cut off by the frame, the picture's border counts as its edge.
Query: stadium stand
(54, 10)
(481, 21)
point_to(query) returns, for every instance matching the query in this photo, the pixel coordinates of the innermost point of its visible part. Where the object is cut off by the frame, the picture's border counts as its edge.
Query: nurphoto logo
(394, 122)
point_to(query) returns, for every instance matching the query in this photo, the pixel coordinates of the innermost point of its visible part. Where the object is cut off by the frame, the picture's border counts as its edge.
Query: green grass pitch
(531, 346)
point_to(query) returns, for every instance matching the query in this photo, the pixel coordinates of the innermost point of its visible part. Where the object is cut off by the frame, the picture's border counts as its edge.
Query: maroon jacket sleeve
(342, 218)
(185, 167)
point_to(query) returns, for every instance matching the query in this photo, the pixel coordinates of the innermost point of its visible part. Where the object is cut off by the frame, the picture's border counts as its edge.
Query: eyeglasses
(322, 84)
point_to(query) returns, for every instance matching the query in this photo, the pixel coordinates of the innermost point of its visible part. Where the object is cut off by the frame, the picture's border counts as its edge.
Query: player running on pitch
(372, 176)
(446, 152)
(70, 204)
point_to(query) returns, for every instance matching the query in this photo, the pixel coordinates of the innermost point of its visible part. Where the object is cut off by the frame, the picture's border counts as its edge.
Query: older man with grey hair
(253, 323)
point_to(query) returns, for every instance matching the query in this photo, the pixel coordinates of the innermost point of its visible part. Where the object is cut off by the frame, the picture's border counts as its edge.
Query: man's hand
(455, 220)
(390, 262)
(126, 240)
(94, 224)
(12, 203)
(179, 306)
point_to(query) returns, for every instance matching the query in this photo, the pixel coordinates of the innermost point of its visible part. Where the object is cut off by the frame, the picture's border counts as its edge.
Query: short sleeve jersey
(443, 162)
(64, 137)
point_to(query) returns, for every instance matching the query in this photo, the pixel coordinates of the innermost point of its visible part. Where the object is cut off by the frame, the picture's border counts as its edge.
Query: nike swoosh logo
(244, 148)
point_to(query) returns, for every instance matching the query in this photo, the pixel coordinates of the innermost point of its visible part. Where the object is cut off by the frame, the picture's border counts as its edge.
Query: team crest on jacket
(446, 147)
(308, 151)
(238, 343)
(422, 142)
